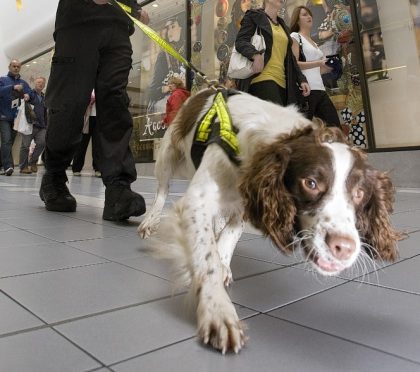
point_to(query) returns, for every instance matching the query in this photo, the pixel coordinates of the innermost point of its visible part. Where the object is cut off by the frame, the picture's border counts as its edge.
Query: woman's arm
(243, 39)
(308, 64)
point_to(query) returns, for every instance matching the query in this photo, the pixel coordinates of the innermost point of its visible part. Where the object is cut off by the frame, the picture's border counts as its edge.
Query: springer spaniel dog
(302, 186)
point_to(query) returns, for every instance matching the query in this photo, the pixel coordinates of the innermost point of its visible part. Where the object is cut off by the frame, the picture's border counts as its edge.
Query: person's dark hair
(294, 20)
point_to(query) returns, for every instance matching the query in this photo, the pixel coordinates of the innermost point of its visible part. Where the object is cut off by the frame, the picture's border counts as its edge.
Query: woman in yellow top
(277, 76)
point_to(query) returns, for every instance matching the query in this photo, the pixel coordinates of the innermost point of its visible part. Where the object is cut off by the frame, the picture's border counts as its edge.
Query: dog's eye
(358, 195)
(310, 184)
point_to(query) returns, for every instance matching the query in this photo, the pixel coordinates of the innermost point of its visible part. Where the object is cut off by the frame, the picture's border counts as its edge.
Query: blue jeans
(7, 135)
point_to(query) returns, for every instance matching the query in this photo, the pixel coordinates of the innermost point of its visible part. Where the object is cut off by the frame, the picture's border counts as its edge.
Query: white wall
(27, 32)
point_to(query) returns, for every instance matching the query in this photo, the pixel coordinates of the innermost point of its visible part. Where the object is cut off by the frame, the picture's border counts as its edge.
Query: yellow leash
(153, 35)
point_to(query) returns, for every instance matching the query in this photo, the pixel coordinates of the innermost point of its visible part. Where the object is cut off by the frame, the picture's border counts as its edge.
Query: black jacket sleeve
(243, 39)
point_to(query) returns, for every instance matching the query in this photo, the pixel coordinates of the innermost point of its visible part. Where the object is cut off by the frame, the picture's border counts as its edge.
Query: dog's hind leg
(166, 164)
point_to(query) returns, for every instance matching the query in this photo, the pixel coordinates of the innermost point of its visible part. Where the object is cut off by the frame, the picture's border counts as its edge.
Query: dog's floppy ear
(268, 205)
(374, 219)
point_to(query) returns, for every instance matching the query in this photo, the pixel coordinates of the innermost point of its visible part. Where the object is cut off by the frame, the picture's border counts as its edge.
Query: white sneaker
(98, 174)
(78, 174)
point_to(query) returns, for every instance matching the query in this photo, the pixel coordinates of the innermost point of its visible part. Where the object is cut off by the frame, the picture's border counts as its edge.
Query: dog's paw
(148, 227)
(219, 326)
(227, 276)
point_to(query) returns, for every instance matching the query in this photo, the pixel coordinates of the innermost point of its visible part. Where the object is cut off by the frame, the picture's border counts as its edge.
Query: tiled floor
(78, 294)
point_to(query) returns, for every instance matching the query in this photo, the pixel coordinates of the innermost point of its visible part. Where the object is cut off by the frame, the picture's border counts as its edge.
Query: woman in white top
(314, 65)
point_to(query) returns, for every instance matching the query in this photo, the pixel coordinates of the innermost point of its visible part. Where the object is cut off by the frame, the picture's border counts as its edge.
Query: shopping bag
(240, 67)
(21, 123)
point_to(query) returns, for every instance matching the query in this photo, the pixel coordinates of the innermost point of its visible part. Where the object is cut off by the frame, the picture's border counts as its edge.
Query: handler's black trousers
(92, 55)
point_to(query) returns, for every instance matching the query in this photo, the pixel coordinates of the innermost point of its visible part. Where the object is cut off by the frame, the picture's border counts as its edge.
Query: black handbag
(302, 57)
(30, 113)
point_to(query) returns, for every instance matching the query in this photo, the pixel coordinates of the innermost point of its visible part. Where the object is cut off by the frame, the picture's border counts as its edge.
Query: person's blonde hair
(176, 81)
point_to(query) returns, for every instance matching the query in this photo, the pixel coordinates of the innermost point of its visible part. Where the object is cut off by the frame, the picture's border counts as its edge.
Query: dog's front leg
(228, 232)
(218, 322)
(165, 166)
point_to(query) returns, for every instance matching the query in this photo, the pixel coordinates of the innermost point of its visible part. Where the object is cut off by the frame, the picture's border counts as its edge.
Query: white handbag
(240, 67)
(21, 123)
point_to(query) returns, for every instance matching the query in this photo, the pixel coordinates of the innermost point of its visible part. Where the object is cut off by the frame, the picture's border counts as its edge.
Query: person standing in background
(12, 90)
(88, 132)
(314, 65)
(29, 165)
(277, 77)
(178, 96)
(92, 51)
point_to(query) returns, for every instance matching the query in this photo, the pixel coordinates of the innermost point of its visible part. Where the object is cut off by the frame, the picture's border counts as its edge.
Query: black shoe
(122, 203)
(9, 172)
(55, 194)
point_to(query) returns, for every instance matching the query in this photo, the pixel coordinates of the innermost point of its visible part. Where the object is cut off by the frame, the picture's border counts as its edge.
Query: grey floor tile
(124, 247)
(377, 317)
(242, 267)
(78, 232)
(263, 249)
(43, 219)
(137, 330)
(43, 351)
(150, 265)
(407, 221)
(403, 276)
(274, 345)
(14, 317)
(410, 246)
(42, 257)
(126, 333)
(277, 288)
(6, 227)
(18, 237)
(59, 295)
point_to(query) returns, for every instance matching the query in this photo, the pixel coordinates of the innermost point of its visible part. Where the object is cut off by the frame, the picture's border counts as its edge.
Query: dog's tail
(170, 244)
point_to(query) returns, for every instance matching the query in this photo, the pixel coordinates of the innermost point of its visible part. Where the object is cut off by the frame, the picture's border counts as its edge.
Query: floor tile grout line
(303, 298)
(344, 339)
(389, 288)
(151, 351)
(53, 270)
(82, 317)
(102, 364)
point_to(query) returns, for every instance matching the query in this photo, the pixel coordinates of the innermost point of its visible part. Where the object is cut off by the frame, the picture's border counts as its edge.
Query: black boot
(122, 203)
(55, 194)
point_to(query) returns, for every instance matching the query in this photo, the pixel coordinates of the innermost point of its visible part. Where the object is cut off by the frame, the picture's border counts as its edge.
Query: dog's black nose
(341, 246)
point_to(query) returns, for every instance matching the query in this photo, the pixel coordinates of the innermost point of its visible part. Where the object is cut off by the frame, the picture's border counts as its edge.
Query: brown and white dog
(302, 186)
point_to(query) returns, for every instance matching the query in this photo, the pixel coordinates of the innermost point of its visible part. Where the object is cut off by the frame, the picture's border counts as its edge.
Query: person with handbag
(313, 63)
(12, 90)
(28, 164)
(277, 77)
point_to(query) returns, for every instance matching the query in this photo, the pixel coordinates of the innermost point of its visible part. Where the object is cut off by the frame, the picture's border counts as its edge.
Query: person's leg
(24, 152)
(79, 155)
(114, 127)
(326, 111)
(6, 134)
(95, 144)
(73, 73)
(269, 91)
(39, 139)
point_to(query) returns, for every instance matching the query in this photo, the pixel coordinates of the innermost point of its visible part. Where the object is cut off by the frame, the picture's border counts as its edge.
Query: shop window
(390, 40)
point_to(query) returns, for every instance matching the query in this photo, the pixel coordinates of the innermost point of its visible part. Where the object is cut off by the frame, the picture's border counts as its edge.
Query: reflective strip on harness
(226, 131)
